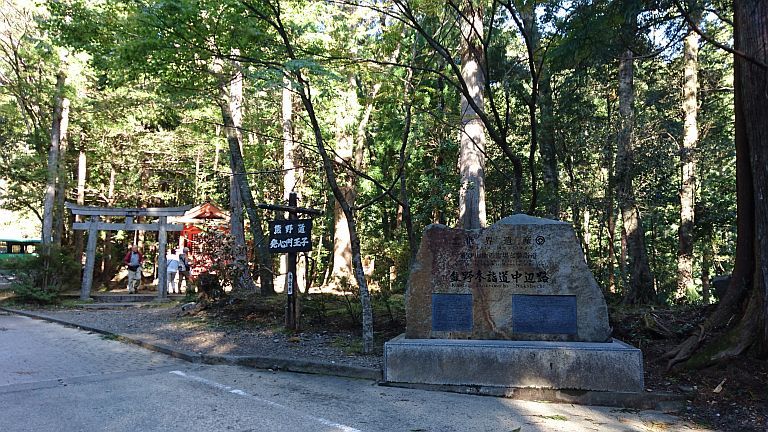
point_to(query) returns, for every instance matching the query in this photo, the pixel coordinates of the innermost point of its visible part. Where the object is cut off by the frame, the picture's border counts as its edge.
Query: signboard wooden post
(291, 236)
(292, 314)
(94, 225)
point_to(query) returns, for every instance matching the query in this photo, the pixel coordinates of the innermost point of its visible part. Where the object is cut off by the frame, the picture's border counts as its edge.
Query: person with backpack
(184, 268)
(134, 259)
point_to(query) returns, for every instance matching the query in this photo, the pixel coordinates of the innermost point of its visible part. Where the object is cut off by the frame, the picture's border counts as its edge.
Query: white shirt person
(171, 268)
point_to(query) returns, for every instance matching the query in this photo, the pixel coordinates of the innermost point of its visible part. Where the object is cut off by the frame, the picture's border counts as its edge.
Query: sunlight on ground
(210, 344)
(565, 417)
(208, 341)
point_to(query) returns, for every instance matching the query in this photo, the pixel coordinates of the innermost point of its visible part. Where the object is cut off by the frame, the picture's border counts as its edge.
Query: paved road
(54, 378)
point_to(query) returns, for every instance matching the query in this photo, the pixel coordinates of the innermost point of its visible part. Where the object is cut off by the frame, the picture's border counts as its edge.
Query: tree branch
(695, 27)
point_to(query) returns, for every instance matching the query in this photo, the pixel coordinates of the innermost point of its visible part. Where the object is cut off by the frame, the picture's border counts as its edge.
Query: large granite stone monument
(513, 305)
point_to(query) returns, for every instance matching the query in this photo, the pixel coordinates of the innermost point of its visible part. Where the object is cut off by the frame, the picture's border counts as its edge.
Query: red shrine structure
(205, 215)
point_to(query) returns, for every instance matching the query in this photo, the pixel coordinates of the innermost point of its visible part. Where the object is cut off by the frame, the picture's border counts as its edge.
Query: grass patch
(71, 304)
(348, 345)
(162, 305)
(554, 417)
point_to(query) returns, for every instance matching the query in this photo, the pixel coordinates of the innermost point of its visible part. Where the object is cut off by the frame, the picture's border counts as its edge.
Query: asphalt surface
(55, 378)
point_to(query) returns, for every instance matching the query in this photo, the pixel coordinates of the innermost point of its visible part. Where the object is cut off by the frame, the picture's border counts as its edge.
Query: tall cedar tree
(743, 312)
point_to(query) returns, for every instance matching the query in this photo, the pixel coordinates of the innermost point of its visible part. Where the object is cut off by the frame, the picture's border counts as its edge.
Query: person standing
(134, 259)
(184, 268)
(172, 266)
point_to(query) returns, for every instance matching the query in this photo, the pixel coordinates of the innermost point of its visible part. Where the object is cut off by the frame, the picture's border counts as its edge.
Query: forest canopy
(616, 116)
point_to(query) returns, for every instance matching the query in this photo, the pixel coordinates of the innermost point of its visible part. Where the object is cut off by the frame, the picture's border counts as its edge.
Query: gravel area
(164, 325)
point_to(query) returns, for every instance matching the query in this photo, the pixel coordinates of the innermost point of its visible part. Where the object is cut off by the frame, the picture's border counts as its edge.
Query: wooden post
(162, 274)
(292, 313)
(90, 259)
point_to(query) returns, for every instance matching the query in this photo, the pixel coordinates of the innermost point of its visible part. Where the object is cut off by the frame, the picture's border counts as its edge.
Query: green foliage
(389, 305)
(351, 301)
(224, 266)
(190, 295)
(11, 262)
(144, 85)
(349, 345)
(42, 278)
(209, 286)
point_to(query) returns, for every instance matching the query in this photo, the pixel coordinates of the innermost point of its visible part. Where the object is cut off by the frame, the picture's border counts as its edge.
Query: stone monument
(510, 306)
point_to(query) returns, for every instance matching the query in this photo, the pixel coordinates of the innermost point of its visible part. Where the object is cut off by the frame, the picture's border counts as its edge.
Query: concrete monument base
(611, 366)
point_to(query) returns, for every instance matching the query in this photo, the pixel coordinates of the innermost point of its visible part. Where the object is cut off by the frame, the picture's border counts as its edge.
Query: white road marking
(239, 392)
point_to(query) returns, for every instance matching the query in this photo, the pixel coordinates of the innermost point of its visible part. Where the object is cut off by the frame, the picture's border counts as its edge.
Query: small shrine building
(195, 220)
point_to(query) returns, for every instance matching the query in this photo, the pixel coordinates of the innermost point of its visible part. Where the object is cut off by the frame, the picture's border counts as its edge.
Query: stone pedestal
(607, 367)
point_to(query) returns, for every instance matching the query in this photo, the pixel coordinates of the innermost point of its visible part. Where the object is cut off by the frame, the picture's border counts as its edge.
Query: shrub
(209, 287)
(42, 278)
(221, 261)
(14, 262)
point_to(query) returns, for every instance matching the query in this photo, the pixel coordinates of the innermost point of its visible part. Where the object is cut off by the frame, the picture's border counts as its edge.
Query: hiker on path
(184, 268)
(133, 259)
(171, 267)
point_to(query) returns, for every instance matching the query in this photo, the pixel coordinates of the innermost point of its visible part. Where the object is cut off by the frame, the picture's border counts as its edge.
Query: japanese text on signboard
(290, 236)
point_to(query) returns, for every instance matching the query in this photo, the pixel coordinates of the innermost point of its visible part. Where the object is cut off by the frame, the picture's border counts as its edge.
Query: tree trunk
(750, 82)
(234, 140)
(342, 244)
(216, 155)
(547, 151)
(82, 163)
(707, 259)
(586, 233)
(243, 280)
(291, 176)
(108, 265)
(346, 153)
(351, 150)
(438, 158)
(611, 226)
(365, 299)
(640, 288)
(686, 288)
(609, 208)
(53, 163)
(530, 30)
(472, 134)
(745, 327)
(59, 220)
(405, 203)
(59, 213)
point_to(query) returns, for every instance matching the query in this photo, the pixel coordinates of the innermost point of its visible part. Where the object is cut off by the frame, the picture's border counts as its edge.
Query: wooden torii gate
(94, 225)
